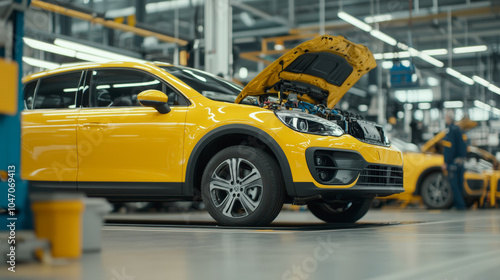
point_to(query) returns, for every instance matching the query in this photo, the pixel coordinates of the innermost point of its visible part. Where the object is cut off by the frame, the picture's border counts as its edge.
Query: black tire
(436, 192)
(341, 212)
(469, 202)
(255, 202)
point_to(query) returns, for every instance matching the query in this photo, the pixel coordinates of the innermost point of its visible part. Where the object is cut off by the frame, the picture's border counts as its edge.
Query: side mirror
(156, 99)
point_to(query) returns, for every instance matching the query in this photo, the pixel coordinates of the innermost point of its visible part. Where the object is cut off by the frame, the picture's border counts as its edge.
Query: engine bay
(287, 95)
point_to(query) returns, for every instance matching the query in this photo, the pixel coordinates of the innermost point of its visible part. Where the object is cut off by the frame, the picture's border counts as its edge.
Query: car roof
(93, 65)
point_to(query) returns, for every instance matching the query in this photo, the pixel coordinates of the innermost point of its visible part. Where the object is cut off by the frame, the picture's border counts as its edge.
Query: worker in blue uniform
(455, 151)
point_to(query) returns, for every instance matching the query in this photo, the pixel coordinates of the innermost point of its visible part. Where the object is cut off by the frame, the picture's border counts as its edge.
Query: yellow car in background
(153, 131)
(425, 181)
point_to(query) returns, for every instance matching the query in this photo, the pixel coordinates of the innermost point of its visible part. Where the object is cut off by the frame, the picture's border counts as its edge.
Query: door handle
(94, 125)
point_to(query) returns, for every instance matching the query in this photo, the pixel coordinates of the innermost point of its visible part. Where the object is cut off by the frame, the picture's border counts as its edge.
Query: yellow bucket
(61, 223)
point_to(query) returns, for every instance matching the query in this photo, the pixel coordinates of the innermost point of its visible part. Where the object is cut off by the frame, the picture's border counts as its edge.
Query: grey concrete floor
(386, 244)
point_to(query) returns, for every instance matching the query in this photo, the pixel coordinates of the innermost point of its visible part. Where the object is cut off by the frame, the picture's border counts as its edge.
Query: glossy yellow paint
(131, 144)
(207, 115)
(48, 150)
(152, 95)
(138, 144)
(358, 56)
(414, 164)
(494, 190)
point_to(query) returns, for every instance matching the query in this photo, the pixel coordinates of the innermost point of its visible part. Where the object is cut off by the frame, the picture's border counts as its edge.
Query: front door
(120, 142)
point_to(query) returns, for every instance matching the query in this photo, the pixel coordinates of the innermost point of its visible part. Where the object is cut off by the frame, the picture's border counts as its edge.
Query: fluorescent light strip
(459, 76)
(481, 81)
(453, 104)
(39, 45)
(431, 60)
(424, 106)
(467, 80)
(89, 57)
(436, 52)
(453, 73)
(40, 63)
(94, 51)
(494, 89)
(383, 37)
(378, 18)
(354, 21)
(482, 105)
(471, 49)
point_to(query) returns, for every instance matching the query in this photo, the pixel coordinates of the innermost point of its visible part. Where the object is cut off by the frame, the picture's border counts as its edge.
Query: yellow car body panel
(414, 165)
(49, 150)
(418, 165)
(141, 145)
(358, 56)
(131, 144)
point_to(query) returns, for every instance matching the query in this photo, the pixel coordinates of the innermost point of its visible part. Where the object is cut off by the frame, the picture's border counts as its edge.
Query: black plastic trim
(132, 191)
(52, 186)
(138, 189)
(305, 189)
(237, 129)
(328, 66)
(312, 167)
(475, 185)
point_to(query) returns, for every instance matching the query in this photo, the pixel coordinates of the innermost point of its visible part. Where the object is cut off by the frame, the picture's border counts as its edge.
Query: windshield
(208, 85)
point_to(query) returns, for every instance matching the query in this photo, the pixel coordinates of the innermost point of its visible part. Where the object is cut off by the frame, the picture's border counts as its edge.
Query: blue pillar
(10, 143)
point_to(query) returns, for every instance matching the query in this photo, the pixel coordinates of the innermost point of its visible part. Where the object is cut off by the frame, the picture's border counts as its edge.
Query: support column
(10, 142)
(218, 37)
(140, 16)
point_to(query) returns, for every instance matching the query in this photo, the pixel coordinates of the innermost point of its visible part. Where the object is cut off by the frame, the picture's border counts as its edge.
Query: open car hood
(319, 71)
(465, 124)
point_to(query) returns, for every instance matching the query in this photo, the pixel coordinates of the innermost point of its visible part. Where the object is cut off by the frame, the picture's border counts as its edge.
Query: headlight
(307, 123)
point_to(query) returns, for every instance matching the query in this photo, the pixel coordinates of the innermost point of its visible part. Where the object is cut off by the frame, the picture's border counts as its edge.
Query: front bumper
(358, 168)
(335, 167)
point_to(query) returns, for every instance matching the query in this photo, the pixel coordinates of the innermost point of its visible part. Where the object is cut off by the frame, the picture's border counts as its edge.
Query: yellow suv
(243, 151)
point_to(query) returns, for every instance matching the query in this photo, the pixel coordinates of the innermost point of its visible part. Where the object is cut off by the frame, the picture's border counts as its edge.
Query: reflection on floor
(386, 244)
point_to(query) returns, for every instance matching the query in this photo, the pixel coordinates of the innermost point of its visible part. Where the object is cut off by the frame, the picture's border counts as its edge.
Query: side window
(29, 94)
(120, 87)
(57, 91)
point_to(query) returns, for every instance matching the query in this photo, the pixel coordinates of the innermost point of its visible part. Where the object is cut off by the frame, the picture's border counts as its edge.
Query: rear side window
(58, 91)
(29, 94)
(120, 87)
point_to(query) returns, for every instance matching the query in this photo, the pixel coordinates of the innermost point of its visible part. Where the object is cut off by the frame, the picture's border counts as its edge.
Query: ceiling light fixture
(378, 18)
(94, 51)
(383, 37)
(494, 88)
(354, 21)
(39, 45)
(40, 63)
(453, 104)
(471, 49)
(436, 52)
(431, 60)
(481, 81)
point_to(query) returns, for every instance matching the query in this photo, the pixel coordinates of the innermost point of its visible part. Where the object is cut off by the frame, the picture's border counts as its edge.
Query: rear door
(122, 146)
(49, 152)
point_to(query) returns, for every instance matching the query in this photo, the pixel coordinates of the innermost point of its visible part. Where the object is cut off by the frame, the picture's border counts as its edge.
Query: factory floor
(386, 244)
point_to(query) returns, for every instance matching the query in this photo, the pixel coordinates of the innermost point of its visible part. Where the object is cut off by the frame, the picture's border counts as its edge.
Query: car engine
(352, 124)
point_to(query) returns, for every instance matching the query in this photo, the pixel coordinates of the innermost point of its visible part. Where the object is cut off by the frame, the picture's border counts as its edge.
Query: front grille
(475, 185)
(379, 175)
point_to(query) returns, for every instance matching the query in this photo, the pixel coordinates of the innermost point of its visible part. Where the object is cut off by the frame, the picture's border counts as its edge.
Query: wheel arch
(231, 135)
(424, 175)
